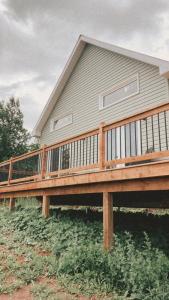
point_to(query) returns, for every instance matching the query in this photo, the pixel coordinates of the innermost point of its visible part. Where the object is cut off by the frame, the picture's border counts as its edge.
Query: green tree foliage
(14, 138)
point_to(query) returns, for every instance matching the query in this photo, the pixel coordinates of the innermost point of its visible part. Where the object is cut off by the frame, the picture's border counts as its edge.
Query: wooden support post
(107, 220)
(11, 204)
(101, 146)
(45, 206)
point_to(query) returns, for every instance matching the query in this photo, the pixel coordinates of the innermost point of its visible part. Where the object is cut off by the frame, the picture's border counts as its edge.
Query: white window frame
(52, 124)
(115, 88)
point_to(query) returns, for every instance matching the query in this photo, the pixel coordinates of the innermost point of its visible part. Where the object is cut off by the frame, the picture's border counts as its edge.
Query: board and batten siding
(99, 70)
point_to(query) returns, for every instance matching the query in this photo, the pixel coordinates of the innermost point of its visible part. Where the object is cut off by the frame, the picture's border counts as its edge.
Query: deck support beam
(45, 206)
(11, 203)
(107, 220)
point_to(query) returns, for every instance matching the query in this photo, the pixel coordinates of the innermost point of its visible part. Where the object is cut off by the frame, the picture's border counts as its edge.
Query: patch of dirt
(43, 253)
(2, 248)
(21, 294)
(10, 279)
(24, 293)
(52, 283)
(20, 259)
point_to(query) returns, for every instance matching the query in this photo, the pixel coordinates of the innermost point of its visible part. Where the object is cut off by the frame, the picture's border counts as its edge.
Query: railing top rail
(137, 116)
(4, 163)
(26, 155)
(20, 157)
(74, 138)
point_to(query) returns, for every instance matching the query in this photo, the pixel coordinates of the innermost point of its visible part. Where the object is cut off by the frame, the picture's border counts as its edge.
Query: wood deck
(85, 166)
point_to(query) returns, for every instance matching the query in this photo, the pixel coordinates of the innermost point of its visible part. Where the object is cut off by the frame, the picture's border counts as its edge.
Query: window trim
(59, 118)
(115, 88)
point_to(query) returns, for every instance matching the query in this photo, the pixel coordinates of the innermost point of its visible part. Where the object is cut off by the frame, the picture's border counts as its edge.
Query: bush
(137, 267)
(126, 270)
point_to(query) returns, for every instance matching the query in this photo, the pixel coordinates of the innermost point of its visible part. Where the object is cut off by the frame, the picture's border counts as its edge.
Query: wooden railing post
(101, 146)
(10, 171)
(43, 166)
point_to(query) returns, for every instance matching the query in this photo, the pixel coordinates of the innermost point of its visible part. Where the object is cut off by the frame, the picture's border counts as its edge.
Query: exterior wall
(98, 70)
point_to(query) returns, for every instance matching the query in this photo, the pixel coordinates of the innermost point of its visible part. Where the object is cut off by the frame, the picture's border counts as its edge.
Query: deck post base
(11, 204)
(107, 220)
(45, 206)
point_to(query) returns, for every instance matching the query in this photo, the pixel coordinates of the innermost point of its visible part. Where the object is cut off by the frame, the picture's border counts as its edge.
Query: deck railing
(75, 154)
(22, 168)
(139, 138)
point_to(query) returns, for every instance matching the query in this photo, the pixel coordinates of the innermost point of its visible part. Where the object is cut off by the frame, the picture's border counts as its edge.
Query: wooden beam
(11, 203)
(107, 220)
(146, 158)
(153, 184)
(152, 170)
(25, 179)
(45, 206)
(72, 171)
(73, 195)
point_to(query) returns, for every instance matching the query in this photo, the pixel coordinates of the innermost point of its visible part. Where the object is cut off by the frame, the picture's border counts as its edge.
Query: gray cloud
(116, 16)
(36, 38)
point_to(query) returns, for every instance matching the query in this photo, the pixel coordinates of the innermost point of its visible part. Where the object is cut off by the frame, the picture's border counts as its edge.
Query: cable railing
(22, 168)
(138, 138)
(141, 138)
(4, 172)
(76, 154)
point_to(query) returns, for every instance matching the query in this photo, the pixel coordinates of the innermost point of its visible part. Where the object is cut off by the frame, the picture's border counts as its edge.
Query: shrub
(137, 266)
(126, 270)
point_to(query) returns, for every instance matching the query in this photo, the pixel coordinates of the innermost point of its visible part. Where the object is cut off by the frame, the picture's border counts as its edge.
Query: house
(104, 83)
(104, 134)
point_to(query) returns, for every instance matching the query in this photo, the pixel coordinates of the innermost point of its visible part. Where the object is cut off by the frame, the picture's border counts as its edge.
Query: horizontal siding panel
(96, 71)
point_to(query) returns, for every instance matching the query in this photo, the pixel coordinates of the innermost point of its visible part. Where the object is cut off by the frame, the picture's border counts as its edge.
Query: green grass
(136, 268)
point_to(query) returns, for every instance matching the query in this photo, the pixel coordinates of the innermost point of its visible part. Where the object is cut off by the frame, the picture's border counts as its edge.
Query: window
(60, 123)
(120, 92)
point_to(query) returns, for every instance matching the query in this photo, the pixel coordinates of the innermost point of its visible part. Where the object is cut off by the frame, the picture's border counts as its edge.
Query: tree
(14, 138)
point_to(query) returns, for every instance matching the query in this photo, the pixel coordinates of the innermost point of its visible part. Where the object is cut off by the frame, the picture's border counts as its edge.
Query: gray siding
(98, 70)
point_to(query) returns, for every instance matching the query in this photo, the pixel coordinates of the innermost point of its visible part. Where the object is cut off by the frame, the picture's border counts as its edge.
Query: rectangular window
(122, 91)
(60, 123)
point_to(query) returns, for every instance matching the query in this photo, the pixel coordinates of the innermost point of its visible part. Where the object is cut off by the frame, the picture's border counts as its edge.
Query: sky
(37, 37)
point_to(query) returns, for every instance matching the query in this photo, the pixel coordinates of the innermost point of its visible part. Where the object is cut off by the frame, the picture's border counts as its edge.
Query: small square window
(60, 123)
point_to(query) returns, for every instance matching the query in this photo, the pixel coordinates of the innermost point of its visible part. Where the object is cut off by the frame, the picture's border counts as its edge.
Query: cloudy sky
(37, 36)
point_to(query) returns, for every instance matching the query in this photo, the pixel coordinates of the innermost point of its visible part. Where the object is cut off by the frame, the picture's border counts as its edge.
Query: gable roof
(163, 66)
